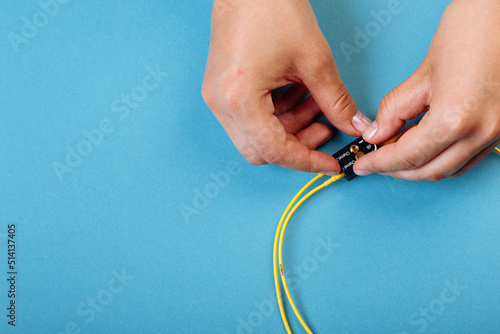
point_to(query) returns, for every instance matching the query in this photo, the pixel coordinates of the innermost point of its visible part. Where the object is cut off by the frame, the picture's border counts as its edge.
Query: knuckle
(272, 156)
(410, 162)
(437, 176)
(343, 101)
(251, 155)
(387, 105)
(231, 97)
(308, 163)
(455, 124)
(227, 90)
(255, 160)
(206, 93)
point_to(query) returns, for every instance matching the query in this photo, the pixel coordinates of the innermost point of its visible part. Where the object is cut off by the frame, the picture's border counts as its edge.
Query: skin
(258, 46)
(460, 81)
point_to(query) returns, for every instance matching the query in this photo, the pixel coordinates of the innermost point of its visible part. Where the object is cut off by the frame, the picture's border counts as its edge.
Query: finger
(403, 103)
(445, 164)
(314, 135)
(475, 160)
(440, 167)
(298, 118)
(239, 139)
(326, 86)
(290, 99)
(461, 154)
(414, 149)
(268, 136)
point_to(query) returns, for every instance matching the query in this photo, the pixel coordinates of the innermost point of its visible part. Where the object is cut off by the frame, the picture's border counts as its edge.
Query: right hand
(258, 46)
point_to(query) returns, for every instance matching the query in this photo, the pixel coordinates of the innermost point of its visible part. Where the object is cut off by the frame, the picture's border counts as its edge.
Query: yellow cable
(282, 233)
(278, 240)
(275, 264)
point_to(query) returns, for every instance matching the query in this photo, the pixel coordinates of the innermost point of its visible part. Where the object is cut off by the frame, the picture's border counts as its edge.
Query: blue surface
(123, 242)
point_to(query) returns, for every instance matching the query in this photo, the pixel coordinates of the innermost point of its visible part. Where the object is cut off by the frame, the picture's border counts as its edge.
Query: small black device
(352, 152)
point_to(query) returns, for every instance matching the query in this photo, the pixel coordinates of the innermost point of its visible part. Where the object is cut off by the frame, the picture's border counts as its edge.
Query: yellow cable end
(334, 178)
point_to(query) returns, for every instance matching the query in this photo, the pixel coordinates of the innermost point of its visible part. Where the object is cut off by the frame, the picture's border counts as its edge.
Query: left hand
(460, 81)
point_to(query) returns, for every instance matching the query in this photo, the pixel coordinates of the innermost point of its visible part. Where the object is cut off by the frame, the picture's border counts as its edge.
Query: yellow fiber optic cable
(278, 241)
(282, 233)
(275, 253)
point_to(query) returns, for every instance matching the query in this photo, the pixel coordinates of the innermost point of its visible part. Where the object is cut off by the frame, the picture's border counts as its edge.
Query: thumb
(325, 85)
(405, 102)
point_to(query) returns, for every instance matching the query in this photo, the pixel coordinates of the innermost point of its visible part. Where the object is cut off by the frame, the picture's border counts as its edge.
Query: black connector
(349, 154)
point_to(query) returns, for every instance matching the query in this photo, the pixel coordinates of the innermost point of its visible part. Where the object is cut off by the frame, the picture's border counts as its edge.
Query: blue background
(397, 244)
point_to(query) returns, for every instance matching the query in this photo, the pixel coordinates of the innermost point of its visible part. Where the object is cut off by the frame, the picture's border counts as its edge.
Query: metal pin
(359, 155)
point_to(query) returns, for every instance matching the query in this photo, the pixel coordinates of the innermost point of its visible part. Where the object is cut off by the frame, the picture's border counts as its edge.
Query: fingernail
(385, 174)
(370, 131)
(360, 122)
(330, 172)
(362, 172)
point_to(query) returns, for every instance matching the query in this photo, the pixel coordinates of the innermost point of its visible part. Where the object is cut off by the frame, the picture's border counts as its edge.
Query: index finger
(266, 133)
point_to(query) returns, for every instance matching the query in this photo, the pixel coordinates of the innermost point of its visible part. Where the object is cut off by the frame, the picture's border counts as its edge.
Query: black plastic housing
(347, 156)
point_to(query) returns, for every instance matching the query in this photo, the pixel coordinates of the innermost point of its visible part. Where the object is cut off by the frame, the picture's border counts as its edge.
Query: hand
(460, 81)
(257, 46)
